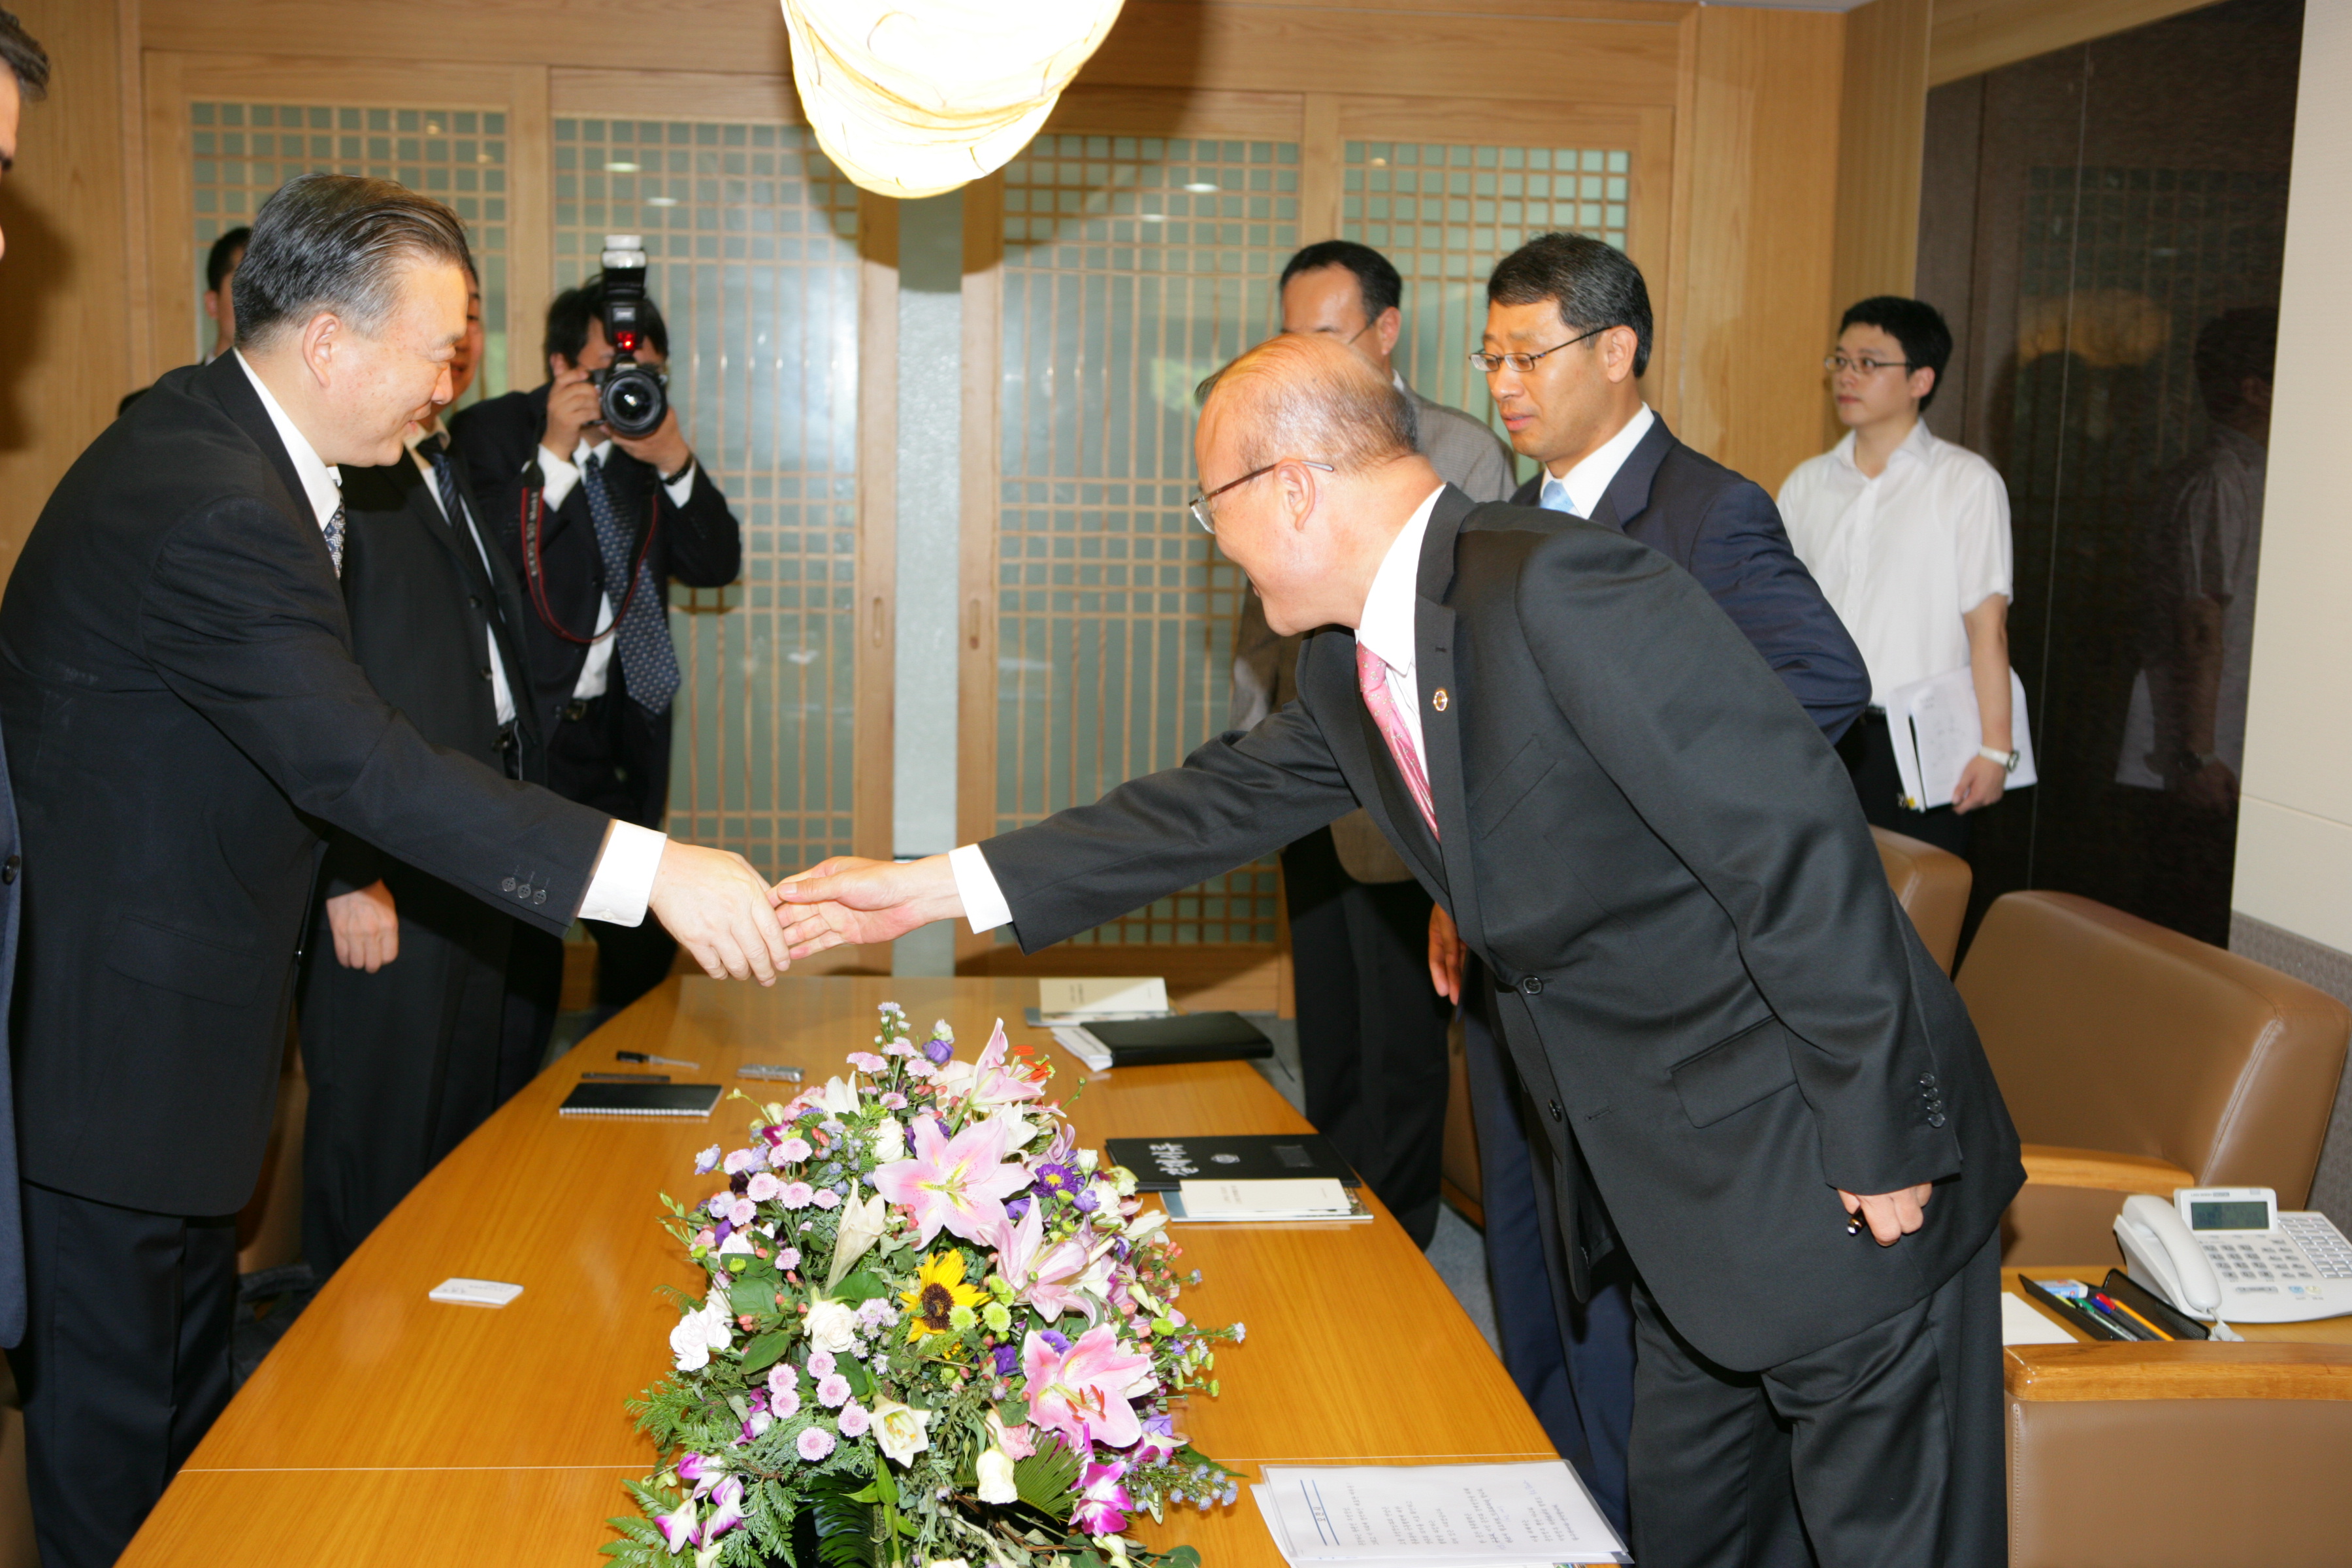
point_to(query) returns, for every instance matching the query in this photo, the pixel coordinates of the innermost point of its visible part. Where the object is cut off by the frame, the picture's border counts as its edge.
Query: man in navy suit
(1568, 337)
(27, 75)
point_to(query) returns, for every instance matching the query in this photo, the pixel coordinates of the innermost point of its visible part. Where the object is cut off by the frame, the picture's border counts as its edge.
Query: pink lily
(1082, 1393)
(960, 1183)
(989, 1084)
(1037, 1271)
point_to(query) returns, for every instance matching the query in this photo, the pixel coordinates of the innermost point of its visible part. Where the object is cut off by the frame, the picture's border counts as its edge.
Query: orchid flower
(1082, 1393)
(676, 1527)
(1037, 1272)
(700, 1471)
(726, 1511)
(959, 1183)
(1102, 1502)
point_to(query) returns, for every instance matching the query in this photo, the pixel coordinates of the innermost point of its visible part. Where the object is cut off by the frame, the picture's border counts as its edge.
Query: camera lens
(633, 400)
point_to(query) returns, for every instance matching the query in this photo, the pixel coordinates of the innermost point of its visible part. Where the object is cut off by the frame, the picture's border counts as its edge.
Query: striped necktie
(435, 450)
(648, 658)
(1373, 679)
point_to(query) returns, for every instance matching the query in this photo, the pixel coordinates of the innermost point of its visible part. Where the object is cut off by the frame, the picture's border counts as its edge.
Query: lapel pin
(1438, 699)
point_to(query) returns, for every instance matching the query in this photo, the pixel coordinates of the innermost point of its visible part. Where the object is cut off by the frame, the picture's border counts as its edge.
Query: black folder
(1162, 1164)
(1181, 1038)
(672, 1099)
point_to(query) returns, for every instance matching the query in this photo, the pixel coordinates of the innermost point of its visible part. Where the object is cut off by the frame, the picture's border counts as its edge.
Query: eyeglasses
(1202, 511)
(1523, 363)
(1839, 364)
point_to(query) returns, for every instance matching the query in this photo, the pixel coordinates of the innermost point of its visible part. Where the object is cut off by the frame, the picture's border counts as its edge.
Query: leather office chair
(2135, 1059)
(1932, 885)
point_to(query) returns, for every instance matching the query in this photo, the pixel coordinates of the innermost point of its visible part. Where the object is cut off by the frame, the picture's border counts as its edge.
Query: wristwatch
(2008, 760)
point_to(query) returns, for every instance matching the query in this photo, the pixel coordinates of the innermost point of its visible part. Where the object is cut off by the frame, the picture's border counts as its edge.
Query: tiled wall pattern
(752, 240)
(1133, 267)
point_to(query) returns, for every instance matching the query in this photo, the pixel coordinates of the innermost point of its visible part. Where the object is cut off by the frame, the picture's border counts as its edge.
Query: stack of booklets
(1262, 1177)
(1126, 1022)
(2114, 1308)
(1456, 1516)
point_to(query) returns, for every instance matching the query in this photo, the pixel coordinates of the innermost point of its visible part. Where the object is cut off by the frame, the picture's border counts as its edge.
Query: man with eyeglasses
(1908, 535)
(624, 517)
(1371, 1035)
(1567, 339)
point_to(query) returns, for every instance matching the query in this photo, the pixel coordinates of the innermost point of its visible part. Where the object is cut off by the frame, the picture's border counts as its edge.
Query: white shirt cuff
(983, 900)
(624, 880)
(682, 488)
(557, 476)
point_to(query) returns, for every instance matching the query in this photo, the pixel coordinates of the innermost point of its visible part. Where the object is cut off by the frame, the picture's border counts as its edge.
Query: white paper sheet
(1102, 996)
(1309, 1197)
(2022, 1324)
(1937, 731)
(1461, 1516)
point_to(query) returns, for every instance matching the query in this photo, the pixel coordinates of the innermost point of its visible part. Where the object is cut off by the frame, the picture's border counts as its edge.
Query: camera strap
(532, 522)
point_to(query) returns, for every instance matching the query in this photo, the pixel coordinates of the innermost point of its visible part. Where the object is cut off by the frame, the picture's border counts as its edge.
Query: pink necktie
(1373, 679)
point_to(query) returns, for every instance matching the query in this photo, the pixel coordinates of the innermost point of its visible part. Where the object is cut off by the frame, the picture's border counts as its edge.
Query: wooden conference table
(389, 1428)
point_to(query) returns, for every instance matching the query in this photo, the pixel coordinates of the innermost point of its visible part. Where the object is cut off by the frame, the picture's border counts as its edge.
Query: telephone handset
(2219, 1253)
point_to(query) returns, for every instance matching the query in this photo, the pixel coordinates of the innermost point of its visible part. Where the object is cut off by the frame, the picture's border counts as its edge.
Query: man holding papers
(1754, 1078)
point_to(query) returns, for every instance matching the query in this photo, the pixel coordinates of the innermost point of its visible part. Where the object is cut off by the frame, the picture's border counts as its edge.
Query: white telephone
(2219, 1253)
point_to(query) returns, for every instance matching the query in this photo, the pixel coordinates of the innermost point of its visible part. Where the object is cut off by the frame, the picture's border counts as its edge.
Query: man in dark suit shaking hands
(1738, 1043)
(183, 711)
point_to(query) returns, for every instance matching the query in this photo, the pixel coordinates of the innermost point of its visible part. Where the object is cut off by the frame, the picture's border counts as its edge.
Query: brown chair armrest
(2054, 1165)
(2183, 1370)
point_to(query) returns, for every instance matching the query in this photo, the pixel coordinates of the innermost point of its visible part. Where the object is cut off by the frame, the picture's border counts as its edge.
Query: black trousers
(1867, 750)
(1884, 1450)
(609, 754)
(1372, 1028)
(402, 1064)
(1572, 1360)
(124, 1364)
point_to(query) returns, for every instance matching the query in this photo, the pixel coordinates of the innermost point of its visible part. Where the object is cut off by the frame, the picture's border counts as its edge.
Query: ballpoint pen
(650, 1059)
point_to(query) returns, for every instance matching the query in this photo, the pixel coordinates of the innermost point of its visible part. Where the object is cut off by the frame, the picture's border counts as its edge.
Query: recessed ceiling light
(661, 201)
(1153, 218)
(618, 168)
(1379, 163)
(1200, 186)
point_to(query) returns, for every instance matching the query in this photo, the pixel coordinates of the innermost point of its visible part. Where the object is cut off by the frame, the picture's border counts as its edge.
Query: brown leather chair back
(2108, 1032)
(1932, 885)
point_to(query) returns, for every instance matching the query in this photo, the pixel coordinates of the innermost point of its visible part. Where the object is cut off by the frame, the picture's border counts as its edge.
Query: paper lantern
(912, 98)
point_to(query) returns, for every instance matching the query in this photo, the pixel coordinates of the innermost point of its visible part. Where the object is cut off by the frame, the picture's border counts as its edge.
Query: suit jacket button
(1532, 986)
(1557, 1113)
(524, 891)
(507, 886)
(540, 897)
(9, 867)
(1936, 1119)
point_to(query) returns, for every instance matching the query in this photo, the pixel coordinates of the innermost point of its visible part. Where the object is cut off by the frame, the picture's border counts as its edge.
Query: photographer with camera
(598, 501)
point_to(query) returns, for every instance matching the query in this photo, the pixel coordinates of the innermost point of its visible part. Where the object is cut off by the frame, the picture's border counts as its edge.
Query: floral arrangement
(937, 1334)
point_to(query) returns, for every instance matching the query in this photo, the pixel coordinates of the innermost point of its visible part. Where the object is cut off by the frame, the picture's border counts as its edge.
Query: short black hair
(24, 59)
(1916, 325)
(226, 250)
(1376, 276)
(1595, 284)
(337, 242)
(2233, 347)
(569, 315)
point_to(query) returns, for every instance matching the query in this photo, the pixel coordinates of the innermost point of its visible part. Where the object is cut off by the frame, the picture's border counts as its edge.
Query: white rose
(690, 1344)
(996, 1477)
(902, 1430)
(833, 1326)
(889, 1140)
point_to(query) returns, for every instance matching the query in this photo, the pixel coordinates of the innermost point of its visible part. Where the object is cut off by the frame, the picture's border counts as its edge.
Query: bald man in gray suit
(1371, 1035)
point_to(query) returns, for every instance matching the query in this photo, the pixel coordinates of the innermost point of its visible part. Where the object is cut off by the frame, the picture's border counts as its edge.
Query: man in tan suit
(1371, 1035)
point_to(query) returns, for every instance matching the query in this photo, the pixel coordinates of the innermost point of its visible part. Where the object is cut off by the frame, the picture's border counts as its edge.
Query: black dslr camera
(631, 397)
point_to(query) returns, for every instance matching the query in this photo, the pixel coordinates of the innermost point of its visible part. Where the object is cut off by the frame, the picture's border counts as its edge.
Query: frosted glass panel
(244, 152)
(1446, 213)
(752, 244)
(1133, 267)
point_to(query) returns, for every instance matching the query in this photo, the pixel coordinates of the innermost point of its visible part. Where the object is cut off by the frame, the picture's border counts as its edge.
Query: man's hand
(366, 928)
(846, 899)
(1981, 783)
(572, 407)
(664, 446)
(1444, 953)
(1890, 1216)
(717, 908)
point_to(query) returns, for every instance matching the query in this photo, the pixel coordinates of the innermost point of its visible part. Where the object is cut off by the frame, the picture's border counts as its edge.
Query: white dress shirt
(501, 695)
(560, 477)
(1902, 557)
(623, 882)
(1386, 626)
(1579, 491)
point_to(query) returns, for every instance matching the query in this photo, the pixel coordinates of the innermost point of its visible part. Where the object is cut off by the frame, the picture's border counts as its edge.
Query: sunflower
(938, 1290)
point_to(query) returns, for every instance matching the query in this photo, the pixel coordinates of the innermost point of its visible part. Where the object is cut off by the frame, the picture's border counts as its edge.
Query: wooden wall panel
(65, 284)
(1973, 35)
(1882, 142)
(1763, 201)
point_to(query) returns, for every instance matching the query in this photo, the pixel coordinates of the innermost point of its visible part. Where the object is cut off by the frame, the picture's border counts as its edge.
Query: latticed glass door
(751, 239)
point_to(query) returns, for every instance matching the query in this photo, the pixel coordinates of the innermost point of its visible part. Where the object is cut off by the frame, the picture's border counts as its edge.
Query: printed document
(1473, 1516)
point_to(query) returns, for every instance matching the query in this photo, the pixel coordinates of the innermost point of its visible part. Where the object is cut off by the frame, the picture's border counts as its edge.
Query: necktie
(648, 658)
(335, 539)
(1554, 497)
(1373, 679)
(434, 449)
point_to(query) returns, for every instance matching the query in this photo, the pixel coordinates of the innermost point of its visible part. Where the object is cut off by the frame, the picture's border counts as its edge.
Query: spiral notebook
(645, 1099)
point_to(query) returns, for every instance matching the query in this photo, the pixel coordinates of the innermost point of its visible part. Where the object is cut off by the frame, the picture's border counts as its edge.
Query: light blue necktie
(648, 658)
(1554, 497)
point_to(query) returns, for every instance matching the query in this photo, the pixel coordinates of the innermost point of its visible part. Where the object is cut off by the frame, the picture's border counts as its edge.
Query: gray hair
(336, 243)
(1301, 396)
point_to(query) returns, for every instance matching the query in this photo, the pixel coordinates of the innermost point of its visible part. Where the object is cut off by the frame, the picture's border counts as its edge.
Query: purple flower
(1057, 1179)
(1088, 1200)
(707, 1162)
(1056, 1338)
(1102, 1502)
(724, 1229)
(1008, 1359)
(854, 1420)
(820, 1363)
(676, 1527)
(756, 1423)
(699, 1471)
(726, 1510)
(832, 1392)
(1017, 1208)
(720, 1204)
(939, 1052)
(814, 1443)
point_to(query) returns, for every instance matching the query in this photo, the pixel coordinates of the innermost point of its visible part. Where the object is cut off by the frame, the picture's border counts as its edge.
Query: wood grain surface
(385, 1427)
(2278, 1360)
